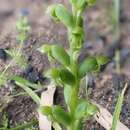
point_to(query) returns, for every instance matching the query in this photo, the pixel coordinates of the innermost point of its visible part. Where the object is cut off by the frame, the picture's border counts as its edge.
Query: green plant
(69, 73)
(27, 125)
(116, 29)
(4, 123)
(118, 108)
(114, 18)
(26, 85)
(18, 58)
(22, 27)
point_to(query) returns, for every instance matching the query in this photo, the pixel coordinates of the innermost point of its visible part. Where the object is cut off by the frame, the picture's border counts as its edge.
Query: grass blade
(24, 86)
(118, 108)
(26, 125)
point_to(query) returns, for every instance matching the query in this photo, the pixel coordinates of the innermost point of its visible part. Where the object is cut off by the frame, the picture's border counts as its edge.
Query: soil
(104, 87)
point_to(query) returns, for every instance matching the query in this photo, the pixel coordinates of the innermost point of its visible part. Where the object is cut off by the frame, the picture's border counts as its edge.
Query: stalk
(116, 15)
(77, 16)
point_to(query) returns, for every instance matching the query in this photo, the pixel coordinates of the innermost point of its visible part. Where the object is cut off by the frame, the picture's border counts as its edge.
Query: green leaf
(53, 73)
(60, 55)
(80, 4)
(29, 91)
(101, 60)
(88, 65)
(60, 13)
(73, 2)
(77, 31)
(51, 10)
(118, 107)
(61, 116)
(92, 109)
(90, 2)
(45, 110)
(25, 82)
(67, 77)
(67, 94)
(85, 109)
(64, 16)
(81, 110)
(45, 49)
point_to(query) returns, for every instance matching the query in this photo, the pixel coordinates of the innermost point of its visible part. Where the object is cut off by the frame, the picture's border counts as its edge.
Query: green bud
(45, 110)
(60, 13)
(101, 60)
(51, 10)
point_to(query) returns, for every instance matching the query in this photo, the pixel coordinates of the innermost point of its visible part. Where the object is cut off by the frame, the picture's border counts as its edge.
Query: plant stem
(116, 13)
(117, 60)
(76, 125)
(75, 42)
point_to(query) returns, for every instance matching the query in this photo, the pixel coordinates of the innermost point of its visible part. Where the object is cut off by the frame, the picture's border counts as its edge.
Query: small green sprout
(22, 27)
(18, 58)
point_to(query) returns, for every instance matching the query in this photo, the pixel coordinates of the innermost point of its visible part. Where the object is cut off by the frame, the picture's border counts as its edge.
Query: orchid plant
(69, 73)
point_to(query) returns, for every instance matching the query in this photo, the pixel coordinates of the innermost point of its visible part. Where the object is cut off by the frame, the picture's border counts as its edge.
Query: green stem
(76, 125)
(74, 11)
(74, 44)
(117, 60)
(116, 12)
(74, 100)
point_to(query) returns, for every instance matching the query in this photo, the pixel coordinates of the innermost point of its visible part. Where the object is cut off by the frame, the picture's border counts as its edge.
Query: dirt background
(103, 88)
